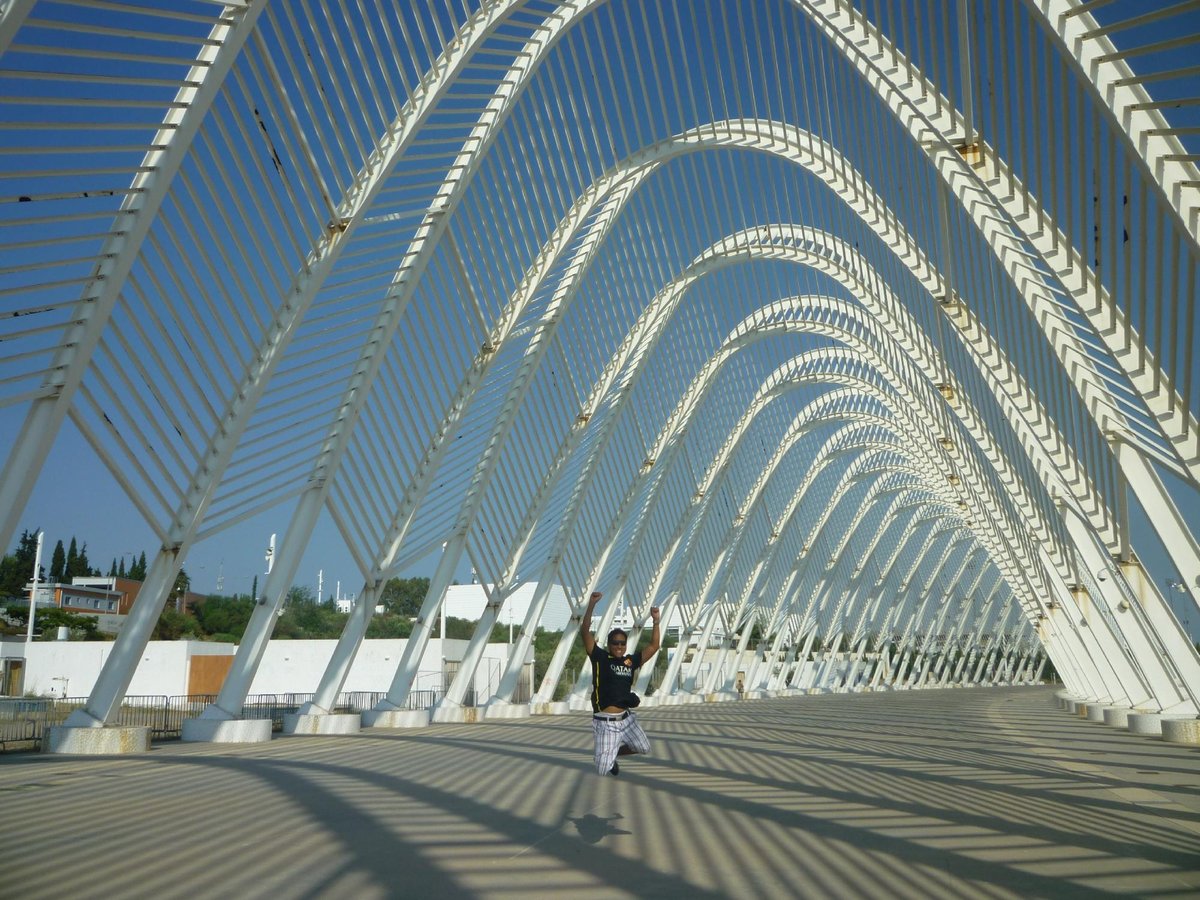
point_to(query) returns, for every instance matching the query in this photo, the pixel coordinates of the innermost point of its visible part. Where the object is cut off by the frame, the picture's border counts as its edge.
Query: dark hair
(617, 631)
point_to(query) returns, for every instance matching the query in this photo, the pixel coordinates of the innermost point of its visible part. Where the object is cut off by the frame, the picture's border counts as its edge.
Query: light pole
(37, 568)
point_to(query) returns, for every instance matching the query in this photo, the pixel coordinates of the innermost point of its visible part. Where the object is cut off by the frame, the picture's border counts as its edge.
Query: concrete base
(502, 709)
(1151, 723)
(395, 718)
(1117, 716)
(455, 713)
(648, 702)
(227, 731)
(107, 741)
(328, 723)
(1181, 731)
(1096, 712)
(553, 708)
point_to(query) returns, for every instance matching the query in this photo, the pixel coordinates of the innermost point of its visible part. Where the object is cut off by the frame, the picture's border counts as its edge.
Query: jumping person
(614, 723)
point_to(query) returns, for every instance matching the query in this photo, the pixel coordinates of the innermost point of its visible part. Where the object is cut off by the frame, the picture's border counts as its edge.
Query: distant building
(109, 598)
(466, 601)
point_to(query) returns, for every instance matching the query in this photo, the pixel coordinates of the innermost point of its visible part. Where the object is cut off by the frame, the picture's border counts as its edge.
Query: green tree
(82, 628)
(389, 625)
(544, 644)
(137, 570)
(16, 568)
(58, 563)
(121, 568)
(300, 593)
(404, 596)
(112, 570)
(173, 626)
(82, 567)
(304, 618)
(224, 618)
(72, 560)
(183, 583)
(458, 629)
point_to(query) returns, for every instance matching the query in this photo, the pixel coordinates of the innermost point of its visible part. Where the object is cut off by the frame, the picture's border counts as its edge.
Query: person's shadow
(593, 828)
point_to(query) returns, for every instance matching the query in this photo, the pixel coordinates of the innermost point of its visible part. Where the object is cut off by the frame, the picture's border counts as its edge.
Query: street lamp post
(37, 568)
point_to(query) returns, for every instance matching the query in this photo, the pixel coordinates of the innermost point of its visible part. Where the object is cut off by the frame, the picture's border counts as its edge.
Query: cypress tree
(72, 560)
(58, 563)
(81, 565)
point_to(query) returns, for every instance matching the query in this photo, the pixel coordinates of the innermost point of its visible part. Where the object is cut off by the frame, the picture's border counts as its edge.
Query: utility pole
(37, 568)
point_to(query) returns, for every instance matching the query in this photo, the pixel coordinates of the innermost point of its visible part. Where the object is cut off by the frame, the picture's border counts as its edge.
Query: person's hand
(594, 598)
(655, 613)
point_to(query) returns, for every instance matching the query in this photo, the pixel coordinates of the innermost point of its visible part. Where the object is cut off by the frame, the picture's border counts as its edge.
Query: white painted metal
(542, 287)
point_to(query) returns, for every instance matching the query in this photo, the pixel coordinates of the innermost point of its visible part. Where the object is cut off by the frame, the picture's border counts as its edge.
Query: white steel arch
(425, 278)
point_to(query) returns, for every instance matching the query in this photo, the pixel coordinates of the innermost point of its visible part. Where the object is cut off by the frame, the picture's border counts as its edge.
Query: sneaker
(615, 770)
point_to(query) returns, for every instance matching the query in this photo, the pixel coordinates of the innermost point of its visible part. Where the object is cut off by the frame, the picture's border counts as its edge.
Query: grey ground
(965, 793)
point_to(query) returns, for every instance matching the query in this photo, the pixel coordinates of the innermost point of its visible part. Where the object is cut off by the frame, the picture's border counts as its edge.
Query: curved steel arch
(187, 478)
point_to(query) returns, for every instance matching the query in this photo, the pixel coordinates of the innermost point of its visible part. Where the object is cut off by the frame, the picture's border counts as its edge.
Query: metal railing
(24, 720)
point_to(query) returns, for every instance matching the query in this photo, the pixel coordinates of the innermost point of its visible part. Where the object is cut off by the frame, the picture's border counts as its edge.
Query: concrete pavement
(963, 793)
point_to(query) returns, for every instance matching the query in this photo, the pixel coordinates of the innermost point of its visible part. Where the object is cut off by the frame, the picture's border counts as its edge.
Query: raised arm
(655, 637)
(585, 627)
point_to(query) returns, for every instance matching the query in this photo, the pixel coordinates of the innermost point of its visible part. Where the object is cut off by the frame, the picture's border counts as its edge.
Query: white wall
(162, 670)
(288, 667)
(297, 666)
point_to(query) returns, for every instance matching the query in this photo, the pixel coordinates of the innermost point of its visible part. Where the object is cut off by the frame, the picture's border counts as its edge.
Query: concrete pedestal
(395, 718)
(452, 712)
(553, 708)
(1117, 716)
(1095, 712)
(1150, 723)
(227, 731)
(326, 723)
(502, 709)
(107, 741)
(1181, 731)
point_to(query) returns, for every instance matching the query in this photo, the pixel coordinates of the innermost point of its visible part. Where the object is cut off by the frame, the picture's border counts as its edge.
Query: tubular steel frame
(804, 318)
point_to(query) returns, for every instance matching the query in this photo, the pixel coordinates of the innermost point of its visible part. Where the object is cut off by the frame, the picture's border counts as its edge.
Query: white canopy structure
(855, 331)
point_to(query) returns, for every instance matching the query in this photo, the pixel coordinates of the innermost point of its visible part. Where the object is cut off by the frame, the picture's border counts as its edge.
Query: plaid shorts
(611, 731)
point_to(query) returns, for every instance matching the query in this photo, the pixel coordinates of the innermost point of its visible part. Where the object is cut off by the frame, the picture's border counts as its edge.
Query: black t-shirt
(612, 677)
